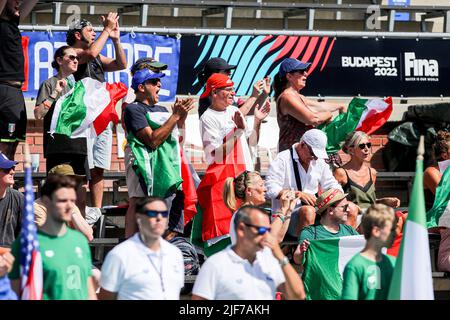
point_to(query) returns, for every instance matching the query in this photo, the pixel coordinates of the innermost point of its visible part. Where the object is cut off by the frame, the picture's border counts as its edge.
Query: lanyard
(158, 271)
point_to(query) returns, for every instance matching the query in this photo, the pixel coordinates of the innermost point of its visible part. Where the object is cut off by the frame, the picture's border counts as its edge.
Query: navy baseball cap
(5, 163)
(143, 75)
(291, 64)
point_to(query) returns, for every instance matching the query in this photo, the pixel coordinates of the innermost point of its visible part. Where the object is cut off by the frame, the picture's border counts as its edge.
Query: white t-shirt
(215, 125)
(137, 273)
(225, 275)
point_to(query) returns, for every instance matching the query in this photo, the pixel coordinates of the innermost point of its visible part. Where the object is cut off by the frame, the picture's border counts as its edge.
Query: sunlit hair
(441, 144)
(353, 139)
(376, 216)
(234, 188)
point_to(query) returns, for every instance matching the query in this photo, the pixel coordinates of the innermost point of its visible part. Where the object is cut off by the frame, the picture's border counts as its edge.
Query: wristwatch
(283, 261)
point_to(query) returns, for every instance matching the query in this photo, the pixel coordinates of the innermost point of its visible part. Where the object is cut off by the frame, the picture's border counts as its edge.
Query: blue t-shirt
(134, 115)
(6, 293)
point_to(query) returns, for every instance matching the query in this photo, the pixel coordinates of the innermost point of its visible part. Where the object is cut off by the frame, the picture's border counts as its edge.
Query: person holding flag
(152, 145)
(295, 113)
(81, 36)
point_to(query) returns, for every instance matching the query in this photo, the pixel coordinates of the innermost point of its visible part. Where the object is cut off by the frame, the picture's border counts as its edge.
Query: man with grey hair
(259, 267)
(303, 168)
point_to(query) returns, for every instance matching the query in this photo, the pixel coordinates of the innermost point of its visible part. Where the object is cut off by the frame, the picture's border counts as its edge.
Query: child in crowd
(367, 276)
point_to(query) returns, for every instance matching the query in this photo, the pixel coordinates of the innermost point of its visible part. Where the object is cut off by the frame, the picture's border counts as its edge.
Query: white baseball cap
(317, 140)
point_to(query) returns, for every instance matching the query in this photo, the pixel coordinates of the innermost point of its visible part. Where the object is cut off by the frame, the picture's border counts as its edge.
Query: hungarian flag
(87, 108)
(362, 115)
(412, 278)
(211, 225)
(159, 170)
(324, 264)
(439, 214)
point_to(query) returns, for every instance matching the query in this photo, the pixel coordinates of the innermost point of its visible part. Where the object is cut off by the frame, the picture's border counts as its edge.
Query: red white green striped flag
(89, 105)
(367, 115)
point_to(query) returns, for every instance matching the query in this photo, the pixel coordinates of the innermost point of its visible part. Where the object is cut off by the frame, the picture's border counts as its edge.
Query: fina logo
(420, 67)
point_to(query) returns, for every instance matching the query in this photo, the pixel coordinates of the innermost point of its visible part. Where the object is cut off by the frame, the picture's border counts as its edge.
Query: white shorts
(133, 185)
(99, 149)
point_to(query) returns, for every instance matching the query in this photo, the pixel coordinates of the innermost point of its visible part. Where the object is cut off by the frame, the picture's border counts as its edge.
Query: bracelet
(278, 215)
(283, 261)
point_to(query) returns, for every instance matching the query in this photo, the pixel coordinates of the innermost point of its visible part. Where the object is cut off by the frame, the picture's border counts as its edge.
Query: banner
(39, 48)
(340, 66)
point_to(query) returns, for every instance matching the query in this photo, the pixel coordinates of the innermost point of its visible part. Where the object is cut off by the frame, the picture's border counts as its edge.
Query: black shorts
(13, 115)
(78, 162)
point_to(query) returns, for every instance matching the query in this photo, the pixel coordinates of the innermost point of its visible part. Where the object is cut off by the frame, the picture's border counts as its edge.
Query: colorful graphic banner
(340, 66)
(39, 48)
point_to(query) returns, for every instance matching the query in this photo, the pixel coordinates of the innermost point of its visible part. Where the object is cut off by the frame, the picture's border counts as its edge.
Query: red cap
(216, 81)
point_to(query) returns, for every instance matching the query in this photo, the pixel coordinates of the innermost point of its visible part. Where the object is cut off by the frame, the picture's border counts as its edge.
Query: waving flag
(362, 115)
(87, 108)
(324, 265)
(31, 276)
(412, 278)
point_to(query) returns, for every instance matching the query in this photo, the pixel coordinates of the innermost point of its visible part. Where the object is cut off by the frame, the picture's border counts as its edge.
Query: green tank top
(362, 196)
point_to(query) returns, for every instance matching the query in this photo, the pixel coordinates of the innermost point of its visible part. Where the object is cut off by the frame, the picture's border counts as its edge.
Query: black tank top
(93, 69)
(11, 53)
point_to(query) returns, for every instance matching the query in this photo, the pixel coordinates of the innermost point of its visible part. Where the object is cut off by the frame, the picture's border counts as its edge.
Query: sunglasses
(8, 170)
(363, 145)
(261, 230)
(154, 213)
(344, 207)
(72, 57)
(153, 82)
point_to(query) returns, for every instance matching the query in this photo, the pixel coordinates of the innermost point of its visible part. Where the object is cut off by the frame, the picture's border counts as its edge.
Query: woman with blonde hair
(249, 188)
(357, 177)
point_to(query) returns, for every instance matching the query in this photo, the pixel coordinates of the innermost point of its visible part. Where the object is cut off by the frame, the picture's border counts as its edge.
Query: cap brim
(8, 164)
(320, 153)
(230, 67)
(158, 65)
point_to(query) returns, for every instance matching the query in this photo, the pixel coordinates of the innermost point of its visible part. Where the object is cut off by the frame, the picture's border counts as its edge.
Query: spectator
(221, 118)
(432, 175)
(77, 222)
(243, 271)
(144, 267)
(333, 208)
(6, 262)
(11, 203)
(248, 188)
(357, 177)
(295, 113)
(367, 276)
(66, 256)
(13, 125)
(305, 177)
(81, 36)
(431, 178)
(260, 92)
(59, 148)
(146, 85)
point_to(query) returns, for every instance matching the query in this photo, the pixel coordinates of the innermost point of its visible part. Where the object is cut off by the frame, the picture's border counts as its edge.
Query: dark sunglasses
(363, 145)
(153, 82)
(8, 170)
(261, 230)
(154, 213)
(72, 57)
(344, 207)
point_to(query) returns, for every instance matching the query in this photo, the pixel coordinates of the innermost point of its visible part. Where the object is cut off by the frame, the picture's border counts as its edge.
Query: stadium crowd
(309, 199)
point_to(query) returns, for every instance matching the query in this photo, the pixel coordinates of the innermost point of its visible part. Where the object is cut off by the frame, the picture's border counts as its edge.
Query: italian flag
(412, 278)
(367, 115)
(88, 107)
(211, 226)
(159, 170)
(324, 264)
(439, 214)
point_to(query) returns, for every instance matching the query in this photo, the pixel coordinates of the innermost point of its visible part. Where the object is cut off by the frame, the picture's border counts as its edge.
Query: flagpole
(27, 158)
(421, 148)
